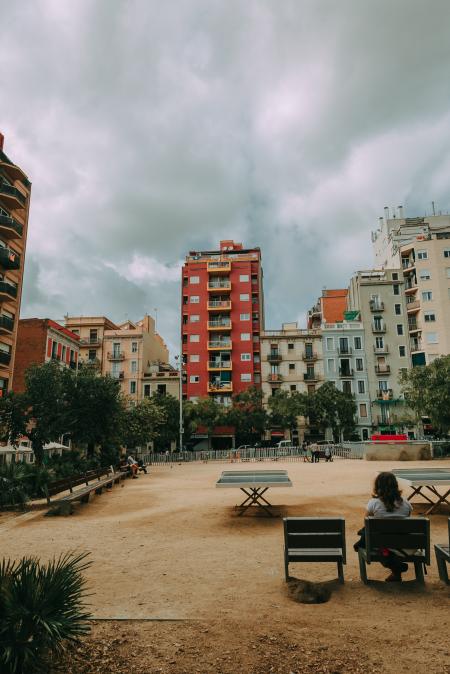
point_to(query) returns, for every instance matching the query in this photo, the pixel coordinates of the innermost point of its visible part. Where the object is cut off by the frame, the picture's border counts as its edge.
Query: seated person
(387, 501)
(133, 466)
(141, 467)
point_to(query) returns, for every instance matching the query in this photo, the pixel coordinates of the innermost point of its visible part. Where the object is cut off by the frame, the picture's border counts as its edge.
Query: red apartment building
(40, 340)
(222, 318)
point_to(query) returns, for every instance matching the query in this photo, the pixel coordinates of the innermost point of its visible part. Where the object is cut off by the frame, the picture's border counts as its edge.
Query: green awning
(351, 315)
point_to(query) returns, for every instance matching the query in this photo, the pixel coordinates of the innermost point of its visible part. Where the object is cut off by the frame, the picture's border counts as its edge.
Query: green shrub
(14, 487)
(41, 608)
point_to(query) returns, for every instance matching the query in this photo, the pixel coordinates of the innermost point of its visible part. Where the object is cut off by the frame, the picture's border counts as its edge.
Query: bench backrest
(57, 486)
(398, 533)
(315, 532)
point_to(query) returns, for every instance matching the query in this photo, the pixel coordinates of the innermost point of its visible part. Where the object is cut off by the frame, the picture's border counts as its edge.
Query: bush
(41, 607)
(14, 487)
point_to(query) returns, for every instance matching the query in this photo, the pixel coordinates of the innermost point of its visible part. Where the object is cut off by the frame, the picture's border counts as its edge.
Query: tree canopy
(427, 392)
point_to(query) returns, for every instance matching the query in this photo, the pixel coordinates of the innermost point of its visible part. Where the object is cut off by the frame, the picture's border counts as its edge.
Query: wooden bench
(410, 535)
(93, 481)
(314, 539)
(442, 557)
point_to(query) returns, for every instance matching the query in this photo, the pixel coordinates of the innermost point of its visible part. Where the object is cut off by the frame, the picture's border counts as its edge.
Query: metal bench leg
(341, 571)
(418, 567)
(362, 568)
(286, 568)
(442, 567)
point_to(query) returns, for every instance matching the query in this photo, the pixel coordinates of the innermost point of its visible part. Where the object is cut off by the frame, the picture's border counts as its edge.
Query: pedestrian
(328, 454)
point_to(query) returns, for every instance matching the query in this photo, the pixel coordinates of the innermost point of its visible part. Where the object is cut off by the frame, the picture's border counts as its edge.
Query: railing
(274, 357)
(292, 333)
(10, 223)
(219, 284)
(416, 346)
(385, 394)
(11, 191)
(221, 264)
(382, 369)
(412, 305)
(378, 327)
(219, 324)
(8, 289)
(274, 377)
(222, 386)
(310, 376)
(309, 356)
(5, 358)
(9, 259)
(116, 355)
(344, 372)
(118, 375)
(381, 349)
(92, 341)
(407, 263)
(220, 365)
(219, 304)
(409, 285)
(376, 306)
(6, 323)
(413, 325)
(344, 350)
(219, 345)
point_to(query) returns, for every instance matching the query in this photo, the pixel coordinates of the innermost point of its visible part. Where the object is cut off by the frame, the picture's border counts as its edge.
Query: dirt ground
(187, 586)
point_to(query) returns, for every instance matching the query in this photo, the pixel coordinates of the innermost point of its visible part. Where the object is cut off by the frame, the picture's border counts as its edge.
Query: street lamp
(180, 393)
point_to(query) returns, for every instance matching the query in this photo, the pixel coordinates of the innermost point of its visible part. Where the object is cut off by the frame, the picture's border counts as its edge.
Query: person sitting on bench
(134, 467)
(387, 501)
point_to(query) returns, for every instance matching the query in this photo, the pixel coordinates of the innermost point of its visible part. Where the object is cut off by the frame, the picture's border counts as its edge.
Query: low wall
(397, 451)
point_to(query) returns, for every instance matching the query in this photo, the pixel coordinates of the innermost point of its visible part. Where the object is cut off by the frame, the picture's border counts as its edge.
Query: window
(359, 364)
(346, 387)
(425, 274)
(134, 347)
(357, 342)
(394, 276)
(330, 344)
(245, 336)
(195, 299)
(246, 376)
(431, 337)
(361, 386)
(92, 354)
(379, 343)
(161, 389)
(293, 387)
(398, 309)
(243, 278)
(447, 252)
(396, 289)
(422, 255)
(292, 366)
(402, 351)
(194, 338)
(383, 385)
(427, 296)
(246, 356)
(429, 316)
(147, 390)
(256, 358)
(93, 335)
(399, 329)
(330, 364)
(257, 378)
(195, 318)
(244, 297)
(193, 399)
(194, 379)
(133, 366)
(290, 346)
(194, 358)
(194, 280)
(363, 410)
(245, 317)
(132, 387)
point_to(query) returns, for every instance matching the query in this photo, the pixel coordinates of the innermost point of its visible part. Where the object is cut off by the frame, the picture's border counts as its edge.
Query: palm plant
(41, 608)
(13, 485)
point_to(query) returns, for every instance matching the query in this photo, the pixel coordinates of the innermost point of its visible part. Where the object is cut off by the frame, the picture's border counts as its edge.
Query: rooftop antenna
(432, 206)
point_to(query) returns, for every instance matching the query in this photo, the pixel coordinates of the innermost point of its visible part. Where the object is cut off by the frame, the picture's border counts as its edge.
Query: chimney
(2, 138)
(400, 212)
(386, 213)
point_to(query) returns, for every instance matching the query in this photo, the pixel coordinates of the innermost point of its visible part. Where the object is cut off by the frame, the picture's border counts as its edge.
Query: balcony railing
(381, 349)
(9, 228)
(376, 305)
(413, 325)
(382, 369)
(7, 290)
(344, 350)
(218, 265)
(274, 357)
(416, 345)
(309, 357)
(116, 355)
(12, 196)
(219, 285)
(219, 344)
(274, 377)
(345, 372)
(413, 306)
(219, 365)
(407, 263)
(9, 259)
(220, 387)
(91, 341)
(118, 375)
(5, 357)
(378, 327)
(6, 324)
(410, 285)
(310, 376)
(219, 324)
(217, 305)
(385, 394)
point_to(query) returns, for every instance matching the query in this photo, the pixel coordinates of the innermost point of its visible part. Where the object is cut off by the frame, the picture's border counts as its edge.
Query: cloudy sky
(153, 128)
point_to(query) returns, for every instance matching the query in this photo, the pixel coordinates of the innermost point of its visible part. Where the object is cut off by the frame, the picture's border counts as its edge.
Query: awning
(351, 315)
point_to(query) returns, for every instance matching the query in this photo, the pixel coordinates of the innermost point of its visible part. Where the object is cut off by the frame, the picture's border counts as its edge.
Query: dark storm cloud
(150, 129)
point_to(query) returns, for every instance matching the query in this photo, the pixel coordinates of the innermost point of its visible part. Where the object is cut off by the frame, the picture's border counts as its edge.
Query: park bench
(442, 557)
(408, 535)
(93, 481)
(314, 539)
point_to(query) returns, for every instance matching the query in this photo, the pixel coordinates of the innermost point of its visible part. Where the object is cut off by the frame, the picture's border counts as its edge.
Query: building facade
(329, 308)
(90, 330)
(128, 352)
(15, 189)
(161, 379)
(222, 318)
(40, 340)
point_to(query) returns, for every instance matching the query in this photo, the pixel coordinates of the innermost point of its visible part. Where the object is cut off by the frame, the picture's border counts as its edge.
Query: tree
(427, 392)
(333, 409)
(169, 431)
(248, 416)
(142, 422)
(12, 418)
(208, 413)
(285, 408)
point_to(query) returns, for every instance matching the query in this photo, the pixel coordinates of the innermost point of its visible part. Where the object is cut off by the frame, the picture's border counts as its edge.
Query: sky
(150, 128)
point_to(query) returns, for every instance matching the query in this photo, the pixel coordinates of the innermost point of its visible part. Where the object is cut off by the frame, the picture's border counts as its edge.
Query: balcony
(219, 365)
(344, 350)
(274, 357)
(220, 387)
(219, 305)
(310, 376)
(385, 394)
(309, 357)
(219, 266)
(416, 345)
(407, 264)
(11, 170)
(345, 372)
(6, 324)
(382, 369)
(219, 344)
(410, 287)
(5, 357)
(7, 291)
(413, 306)
(219, 286)
(4, 388)
(118, 375)
(11, 196)
(9, 228)
(376, 305)
(116, 355)
(381, 349)
(9, 259)
(378, 328)
(274, 377)
(413, 325)
(224, 324)
(92, 341)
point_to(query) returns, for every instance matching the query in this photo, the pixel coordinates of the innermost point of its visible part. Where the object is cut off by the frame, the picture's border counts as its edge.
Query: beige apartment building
(15, 189)
(378, 297)
(91, 330)
(129, 351)
(420, 247)
(161, 379)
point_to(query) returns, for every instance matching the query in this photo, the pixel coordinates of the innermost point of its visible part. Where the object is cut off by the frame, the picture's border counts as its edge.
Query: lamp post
(180, 393)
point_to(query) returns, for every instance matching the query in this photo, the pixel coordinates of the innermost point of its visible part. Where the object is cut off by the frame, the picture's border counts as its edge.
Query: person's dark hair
(386, 489)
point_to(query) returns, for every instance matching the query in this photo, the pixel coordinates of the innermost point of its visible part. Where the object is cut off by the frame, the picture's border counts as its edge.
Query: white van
(284, 443)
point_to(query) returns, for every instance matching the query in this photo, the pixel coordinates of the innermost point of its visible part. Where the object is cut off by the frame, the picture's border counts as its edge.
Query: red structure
(222, 318)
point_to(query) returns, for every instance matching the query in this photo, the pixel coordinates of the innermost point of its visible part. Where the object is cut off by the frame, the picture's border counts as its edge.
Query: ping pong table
(430, 479)
(254, 484)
